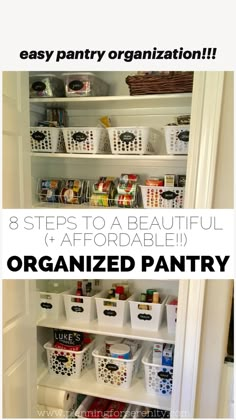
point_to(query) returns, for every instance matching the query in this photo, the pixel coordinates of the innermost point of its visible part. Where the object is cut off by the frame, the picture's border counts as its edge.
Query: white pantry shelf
(180, 100)
(164, 158)
(94, 328)
(87, 384)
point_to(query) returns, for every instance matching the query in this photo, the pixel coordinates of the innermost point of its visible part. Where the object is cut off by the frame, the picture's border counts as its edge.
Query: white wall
(224, 176)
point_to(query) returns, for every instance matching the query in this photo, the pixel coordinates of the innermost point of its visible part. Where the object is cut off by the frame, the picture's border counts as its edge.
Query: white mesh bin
(47, 139)
(112, 312)
(162, 197)
(171, 313)
(158, 378)
(67, 362)
(146, 316)
(80, 308)
(177, 139)
(115, 372)
(51, 305)
(133, 140)
(86, 140)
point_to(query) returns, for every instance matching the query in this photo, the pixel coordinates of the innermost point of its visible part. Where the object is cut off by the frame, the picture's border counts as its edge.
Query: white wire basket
(115, 372)
(63, 191)
(133, 140)
(47, 139)
(162, 197)
(86, 140)
(177, 139)
(111, 197)
(68, 363)
(158, 378)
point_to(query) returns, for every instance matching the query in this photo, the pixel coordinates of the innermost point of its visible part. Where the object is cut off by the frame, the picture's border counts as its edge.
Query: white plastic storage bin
(84, 310)
(171, 313)
(112, 312)
(47, 139)
(84, 84)
(133, 140)
(86, 140)
(115, 372)
(146, 316)
(67, 362)
(46, 86)
(162, 197)
(158, 378)
(177, 139)
(51, 305)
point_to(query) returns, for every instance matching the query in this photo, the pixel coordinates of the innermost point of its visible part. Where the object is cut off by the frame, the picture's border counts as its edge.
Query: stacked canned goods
(127, 191)
(103, 192)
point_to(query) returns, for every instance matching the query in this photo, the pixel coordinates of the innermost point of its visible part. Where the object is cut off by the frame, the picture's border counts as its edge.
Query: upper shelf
(180, 100)
(164, 158)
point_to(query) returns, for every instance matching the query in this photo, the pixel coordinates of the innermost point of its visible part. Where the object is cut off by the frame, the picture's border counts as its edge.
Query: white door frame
(204, 132)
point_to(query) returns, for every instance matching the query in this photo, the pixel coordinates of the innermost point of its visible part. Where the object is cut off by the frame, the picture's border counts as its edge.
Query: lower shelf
(87, 384)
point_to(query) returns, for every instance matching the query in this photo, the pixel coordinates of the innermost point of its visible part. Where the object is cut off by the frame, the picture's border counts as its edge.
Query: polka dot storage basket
(162, 197)
(66, 362)
(47, 139)
(158, 378)
(115, 372)
(133, 140)
(86, 140)
(177, 139)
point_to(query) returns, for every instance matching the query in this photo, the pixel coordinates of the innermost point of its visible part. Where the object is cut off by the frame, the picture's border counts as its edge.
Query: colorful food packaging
(72, 193)
(122, 200)
(49, 190)
(157, 182)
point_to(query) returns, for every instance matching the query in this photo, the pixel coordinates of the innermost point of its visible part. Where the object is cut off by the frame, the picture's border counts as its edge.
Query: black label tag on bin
(77, 309)
(46, 305)
(79, 136)
(169, 195)
(38, 86)
(165, 375)
(62, 359)
(127, 137)
(112, 367)
(145, 317)
(76, 85)
(109, 312)
(38, 135)
(183, 136)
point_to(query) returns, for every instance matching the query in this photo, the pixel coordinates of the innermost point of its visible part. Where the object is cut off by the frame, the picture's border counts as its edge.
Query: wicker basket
(169, 82)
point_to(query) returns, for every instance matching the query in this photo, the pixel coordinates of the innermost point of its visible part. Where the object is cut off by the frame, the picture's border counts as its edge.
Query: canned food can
(158, 182)
(128, 177)
(110, 341)
(120, 351)
(49, 190)
(122, 200)
(127, 188)
(101, 200)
